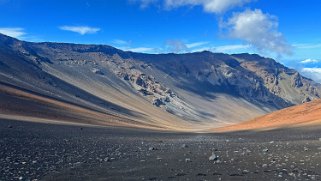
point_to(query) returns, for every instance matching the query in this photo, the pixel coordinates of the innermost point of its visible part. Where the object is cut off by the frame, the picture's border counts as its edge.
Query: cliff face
(283, 82)
(204, 88)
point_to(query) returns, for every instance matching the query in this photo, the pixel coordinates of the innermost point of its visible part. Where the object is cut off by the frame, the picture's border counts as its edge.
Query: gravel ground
(33, 151)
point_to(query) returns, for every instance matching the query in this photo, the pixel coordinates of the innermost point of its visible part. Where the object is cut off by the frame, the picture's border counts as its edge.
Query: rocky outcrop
(307, 99)
(296, 80)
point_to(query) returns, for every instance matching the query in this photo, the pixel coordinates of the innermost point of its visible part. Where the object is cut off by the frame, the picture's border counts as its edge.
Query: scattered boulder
(265, 150)
(245, 172)
(107, 159)
(158, 102)
(187, 160)
(170, 92)
(141, 82)
(236, 175)
(152, 148)
(213, 157)
(167, 99)
(307, 99)
(201, 174)
(146, 92)
(185, 146)
(145, 66)
(97, 71)
(180, 174)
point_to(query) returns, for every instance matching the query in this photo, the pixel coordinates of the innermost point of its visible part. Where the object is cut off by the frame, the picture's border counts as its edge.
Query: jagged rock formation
(165, 89)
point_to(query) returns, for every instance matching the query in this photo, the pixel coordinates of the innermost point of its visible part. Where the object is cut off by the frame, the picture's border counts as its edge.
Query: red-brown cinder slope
(308, 114)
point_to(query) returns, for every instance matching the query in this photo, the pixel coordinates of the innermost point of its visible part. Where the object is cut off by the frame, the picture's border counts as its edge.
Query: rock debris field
(34, 151)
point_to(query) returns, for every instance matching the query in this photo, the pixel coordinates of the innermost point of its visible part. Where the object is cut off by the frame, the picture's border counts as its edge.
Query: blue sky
(287, 30)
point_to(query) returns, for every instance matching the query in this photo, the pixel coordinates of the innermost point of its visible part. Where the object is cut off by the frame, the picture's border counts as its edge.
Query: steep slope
(182, 91)
(22, 70)
(21, 104)
(307, 114)
(280, 80)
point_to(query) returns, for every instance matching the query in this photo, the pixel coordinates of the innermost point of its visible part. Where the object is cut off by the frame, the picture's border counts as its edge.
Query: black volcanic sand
(32, 151)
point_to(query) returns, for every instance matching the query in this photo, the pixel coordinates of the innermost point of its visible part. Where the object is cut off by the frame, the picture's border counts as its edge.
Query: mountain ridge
(165, 90)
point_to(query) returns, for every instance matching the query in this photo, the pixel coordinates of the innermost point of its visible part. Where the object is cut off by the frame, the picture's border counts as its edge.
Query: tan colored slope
(15, 102)
(25, 106)
(301, 115)
(109, 89)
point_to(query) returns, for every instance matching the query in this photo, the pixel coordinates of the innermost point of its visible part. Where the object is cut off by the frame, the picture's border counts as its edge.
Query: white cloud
(254, 27)
(229, 48)
(176, 46)
(310, 61)
(80, 29)
(13, 32)
(307, 45)
(312, 70)
(236, 48)
(259, 30)
(210, 6)
(121, 42)
(146, 3)
(141, 49)
(196, 44)
(313, 73)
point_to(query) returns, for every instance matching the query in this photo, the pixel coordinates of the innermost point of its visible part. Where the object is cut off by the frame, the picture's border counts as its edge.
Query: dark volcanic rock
(62, 152)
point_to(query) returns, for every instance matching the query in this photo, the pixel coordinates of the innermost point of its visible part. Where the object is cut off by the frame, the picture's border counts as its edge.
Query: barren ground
(64, 152)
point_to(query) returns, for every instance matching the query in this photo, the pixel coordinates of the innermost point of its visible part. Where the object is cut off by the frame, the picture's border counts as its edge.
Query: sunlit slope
(18, 104)
(307, 114)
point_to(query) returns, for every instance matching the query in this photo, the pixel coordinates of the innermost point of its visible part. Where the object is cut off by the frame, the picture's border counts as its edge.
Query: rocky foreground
(33, 151)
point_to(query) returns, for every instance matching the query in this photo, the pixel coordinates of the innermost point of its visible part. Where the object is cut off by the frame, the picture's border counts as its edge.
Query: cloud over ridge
(309, 60)
(13, 32)
(82, 30)
(258, 29)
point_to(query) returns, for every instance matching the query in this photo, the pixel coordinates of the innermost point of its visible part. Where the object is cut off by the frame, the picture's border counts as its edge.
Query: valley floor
(31, 151)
